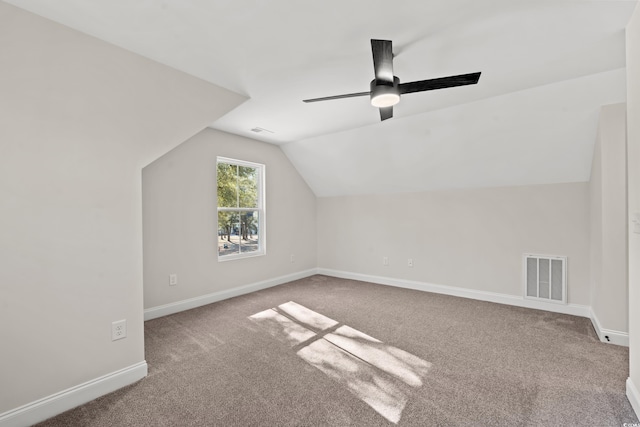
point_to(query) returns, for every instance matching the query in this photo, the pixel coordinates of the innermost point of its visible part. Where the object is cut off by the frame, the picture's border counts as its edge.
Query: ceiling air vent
(545, 278)
(259, 130)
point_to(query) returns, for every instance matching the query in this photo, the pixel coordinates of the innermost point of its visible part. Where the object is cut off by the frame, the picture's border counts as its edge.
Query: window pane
(249, 231)
(228, 233)
(248, 184)
(227, 178)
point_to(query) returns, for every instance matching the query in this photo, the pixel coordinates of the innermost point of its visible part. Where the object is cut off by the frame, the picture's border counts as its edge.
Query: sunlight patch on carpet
(282, 328)
(380, 375)
(398, 363)
(306, 317)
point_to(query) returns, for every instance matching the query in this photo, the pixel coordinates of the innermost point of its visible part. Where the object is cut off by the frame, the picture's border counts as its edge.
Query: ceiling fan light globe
(385, 100)
(385, 94)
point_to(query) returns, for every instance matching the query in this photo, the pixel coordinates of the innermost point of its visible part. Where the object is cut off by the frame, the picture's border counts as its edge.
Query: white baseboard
(57, 403)
(615, 337)
(178, 306)
(634, 396)
(609, 336)
(573, 309)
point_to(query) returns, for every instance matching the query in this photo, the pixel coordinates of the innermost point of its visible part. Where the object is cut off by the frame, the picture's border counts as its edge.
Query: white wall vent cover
(545, 278)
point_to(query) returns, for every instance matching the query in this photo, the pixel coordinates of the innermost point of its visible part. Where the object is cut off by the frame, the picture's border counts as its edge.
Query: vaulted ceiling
(547, 67)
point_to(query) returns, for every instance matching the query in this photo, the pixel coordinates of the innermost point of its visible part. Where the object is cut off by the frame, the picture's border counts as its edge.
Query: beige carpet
(331, 352)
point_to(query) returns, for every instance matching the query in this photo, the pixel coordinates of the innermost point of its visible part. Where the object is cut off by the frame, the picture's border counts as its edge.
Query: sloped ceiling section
(547, 67)
(541, 135)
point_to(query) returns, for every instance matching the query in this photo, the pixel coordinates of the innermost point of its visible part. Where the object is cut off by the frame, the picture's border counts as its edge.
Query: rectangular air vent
(258, 129)
(545, 278)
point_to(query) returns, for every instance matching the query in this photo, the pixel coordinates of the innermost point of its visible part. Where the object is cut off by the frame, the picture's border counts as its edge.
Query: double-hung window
(241, 216)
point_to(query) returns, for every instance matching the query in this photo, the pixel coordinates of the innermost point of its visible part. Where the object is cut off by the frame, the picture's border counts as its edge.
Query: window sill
(240, 256)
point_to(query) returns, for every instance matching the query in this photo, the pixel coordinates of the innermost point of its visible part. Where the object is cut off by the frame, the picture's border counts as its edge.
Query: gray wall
(179, 205)
(633, 167)
(472, 239)
(79, 118)
(609, 221)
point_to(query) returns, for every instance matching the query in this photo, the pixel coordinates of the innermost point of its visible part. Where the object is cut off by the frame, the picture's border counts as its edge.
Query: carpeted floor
(323, 351)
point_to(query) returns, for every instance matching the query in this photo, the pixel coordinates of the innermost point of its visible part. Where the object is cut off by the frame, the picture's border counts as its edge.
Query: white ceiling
(547, 67)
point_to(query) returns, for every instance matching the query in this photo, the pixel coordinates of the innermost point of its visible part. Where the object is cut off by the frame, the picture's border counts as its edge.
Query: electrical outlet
(385, 260)
(293, 259)
(173, 279)
(119, 329)
(410, 262)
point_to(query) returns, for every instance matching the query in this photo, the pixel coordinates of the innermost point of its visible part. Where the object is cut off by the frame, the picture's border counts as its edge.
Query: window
(240, 209)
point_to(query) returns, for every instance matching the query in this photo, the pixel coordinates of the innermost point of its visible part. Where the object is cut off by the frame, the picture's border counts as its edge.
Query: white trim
(57, 403)
(573, 309)
(634, 396)
(238, 162)
(178, 306)
(232, 257)
(615, 337)
(261, 209)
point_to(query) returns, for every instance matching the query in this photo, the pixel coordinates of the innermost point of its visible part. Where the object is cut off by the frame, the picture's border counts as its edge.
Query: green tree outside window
(240, 208)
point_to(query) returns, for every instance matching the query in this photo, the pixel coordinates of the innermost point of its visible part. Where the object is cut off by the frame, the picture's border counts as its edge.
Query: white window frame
(262, 232)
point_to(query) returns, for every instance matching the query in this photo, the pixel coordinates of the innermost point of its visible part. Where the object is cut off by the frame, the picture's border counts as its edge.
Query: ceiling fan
(385, 88)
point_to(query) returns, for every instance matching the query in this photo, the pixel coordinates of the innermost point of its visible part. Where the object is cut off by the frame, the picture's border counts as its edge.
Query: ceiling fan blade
(386, 113)
(328, 98)
(440, 83)
(382, 60)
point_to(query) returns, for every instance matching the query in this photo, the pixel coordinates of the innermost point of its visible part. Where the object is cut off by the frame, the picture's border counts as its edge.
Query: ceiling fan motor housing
(385, 94)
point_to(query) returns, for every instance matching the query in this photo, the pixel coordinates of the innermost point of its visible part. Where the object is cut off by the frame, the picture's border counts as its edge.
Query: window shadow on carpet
(381, 375)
